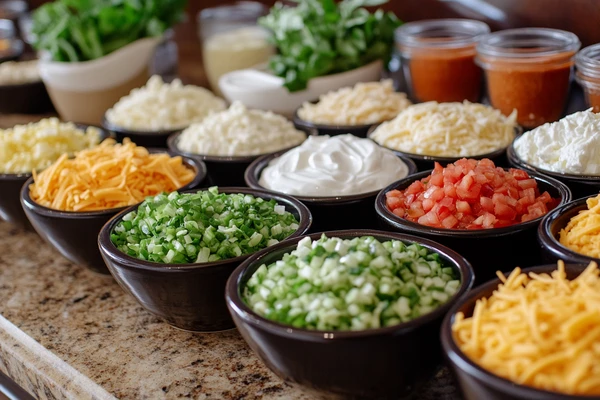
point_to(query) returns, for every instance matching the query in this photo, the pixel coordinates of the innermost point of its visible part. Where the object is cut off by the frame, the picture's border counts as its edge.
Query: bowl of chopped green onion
(174, 252)
(350, 313)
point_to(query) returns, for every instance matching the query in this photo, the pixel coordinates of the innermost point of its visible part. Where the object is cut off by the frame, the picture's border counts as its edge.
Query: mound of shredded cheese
(108, 176)
(582, 233)
(163, 106)
(24, 148)
(365, 103)
(447, 130)
(538, 330)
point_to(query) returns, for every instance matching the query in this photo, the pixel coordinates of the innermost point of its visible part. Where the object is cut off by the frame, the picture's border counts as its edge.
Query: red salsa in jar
(438, 58)
(528, 70)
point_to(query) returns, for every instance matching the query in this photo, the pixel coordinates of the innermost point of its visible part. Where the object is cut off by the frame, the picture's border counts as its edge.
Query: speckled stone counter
(67, 333)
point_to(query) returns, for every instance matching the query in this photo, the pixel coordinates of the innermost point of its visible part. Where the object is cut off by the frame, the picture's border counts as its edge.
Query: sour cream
(333, 166)
(570, 145)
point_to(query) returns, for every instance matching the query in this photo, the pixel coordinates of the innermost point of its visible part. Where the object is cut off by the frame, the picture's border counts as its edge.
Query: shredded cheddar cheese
(109, 175)
(538, 330)
(447, 129)
(365, 103)
(582, 233)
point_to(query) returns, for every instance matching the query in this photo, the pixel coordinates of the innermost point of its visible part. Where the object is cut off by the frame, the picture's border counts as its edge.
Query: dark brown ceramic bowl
(379, 363)
(549, 230)
(10, 187)
(332, 130)
(425, 162)
(580, 185)
(330, 212)
(75, 234)
(488, 250)
(222, 170)
(25, 98)
(477, 383)
(187, 296)
(155, 139)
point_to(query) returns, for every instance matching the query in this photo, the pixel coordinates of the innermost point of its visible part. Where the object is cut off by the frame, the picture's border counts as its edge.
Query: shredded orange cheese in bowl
(582, 233)
(539, 330)
(110, 175)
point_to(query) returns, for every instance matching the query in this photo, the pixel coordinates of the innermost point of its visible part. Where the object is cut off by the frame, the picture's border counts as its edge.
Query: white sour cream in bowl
(325, 166)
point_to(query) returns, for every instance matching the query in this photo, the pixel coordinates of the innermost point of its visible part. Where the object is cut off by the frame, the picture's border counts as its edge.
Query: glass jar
(587, 62)
(232, 40)
(528, 70)
(438, 58)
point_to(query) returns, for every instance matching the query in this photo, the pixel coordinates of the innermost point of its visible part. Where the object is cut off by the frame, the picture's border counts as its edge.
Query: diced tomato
(487, 204)
(430, 219)
(437, 179)
(414, 188)
(393, 193)
(471, 194)
(504, 211)
(415, 210)
(399, 212)
(518, 173)
(463, 207)
(527, 184)
(393, 203)
(449, 222)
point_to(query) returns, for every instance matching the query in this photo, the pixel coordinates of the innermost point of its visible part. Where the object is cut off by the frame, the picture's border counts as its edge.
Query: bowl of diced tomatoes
(486, 213)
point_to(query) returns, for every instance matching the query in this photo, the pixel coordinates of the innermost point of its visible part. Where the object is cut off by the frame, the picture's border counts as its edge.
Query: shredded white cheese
(570, 145)
(447, 130)
(163, 106)
(363, 104)
(238, 131)
(24, 148)
(19, 72)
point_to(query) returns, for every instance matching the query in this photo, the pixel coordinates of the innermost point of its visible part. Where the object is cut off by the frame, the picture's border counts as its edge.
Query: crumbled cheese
(238, 131)
(365, 103)
(447, 130)
(163, 106)
(19, 72)
(570, 145)
(24, 148)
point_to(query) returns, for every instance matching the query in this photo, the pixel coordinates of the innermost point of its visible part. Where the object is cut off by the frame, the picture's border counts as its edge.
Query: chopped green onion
(201, 227)
(362, 283)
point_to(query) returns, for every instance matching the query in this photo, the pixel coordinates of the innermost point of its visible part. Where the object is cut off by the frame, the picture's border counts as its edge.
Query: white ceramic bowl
(83, 91)
(258, 89)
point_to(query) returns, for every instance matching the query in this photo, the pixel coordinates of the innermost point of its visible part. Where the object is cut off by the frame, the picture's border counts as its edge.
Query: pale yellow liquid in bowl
(230, 51)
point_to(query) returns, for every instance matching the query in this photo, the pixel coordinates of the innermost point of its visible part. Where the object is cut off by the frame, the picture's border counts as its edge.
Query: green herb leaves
(320, 37)
(80, 30)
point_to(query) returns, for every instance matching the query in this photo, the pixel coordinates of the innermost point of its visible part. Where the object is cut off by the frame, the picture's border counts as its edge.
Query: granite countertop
(68, 333)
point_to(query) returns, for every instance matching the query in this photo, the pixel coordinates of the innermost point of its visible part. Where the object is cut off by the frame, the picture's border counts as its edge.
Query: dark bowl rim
(106, 124)
(415, 228)
(104, 134)
(444, 159)
(245, 313)
(27, 202)
(318, 126)
(460, 361)
(110, 251)
(514, 159)
(172, 145)
(251, 177)
(550, 241)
